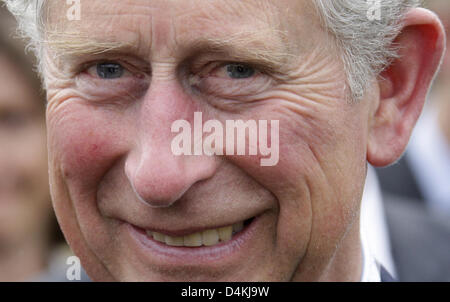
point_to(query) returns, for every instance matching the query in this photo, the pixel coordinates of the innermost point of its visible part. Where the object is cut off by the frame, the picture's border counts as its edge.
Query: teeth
(159, 237)
(237, 227)
(174, 241)
(225, 233)
(193, 240)
(210, 237)
(207, 237)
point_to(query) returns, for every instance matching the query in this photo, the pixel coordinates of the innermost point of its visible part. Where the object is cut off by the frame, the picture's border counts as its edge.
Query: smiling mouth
(209, 237)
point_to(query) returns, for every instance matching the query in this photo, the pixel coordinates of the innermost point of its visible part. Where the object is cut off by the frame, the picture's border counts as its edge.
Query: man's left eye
(110, 70)
(239, 71)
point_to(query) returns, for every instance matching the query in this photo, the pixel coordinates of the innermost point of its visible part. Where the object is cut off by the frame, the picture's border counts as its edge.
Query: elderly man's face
(115, 180)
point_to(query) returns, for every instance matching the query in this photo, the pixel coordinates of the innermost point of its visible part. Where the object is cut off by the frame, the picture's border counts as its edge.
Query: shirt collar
(370, 269)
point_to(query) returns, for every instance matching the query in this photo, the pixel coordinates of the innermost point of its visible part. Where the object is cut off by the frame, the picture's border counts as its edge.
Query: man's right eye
(109, 71)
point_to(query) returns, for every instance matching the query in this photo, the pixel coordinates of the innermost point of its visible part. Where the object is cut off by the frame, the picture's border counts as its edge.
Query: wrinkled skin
(110, 136)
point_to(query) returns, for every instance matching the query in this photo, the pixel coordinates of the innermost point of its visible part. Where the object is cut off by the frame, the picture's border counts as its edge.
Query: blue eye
(109, 70)
(239, 71)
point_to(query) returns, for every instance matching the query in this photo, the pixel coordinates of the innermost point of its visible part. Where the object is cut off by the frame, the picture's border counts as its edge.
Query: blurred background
(416, 190)
(32, 247)
(406, 207)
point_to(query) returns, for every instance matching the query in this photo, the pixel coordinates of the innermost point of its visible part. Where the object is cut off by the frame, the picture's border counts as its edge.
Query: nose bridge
(157, 176)
(164, 103)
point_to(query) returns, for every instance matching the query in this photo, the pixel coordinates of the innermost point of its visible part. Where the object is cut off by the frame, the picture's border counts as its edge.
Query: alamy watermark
(374, 10)
(235, 134)
(73, 272)
(74, 10)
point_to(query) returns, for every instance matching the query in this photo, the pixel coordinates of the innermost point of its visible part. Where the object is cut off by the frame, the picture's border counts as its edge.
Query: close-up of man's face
(132, 210)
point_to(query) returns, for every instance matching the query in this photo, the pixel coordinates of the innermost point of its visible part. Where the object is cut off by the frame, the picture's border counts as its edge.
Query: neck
(347, 263)
(344, 265)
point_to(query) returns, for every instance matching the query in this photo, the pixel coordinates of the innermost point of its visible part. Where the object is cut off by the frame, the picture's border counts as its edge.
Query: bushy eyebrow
(73, 44)
(263, 48)
(257, 47)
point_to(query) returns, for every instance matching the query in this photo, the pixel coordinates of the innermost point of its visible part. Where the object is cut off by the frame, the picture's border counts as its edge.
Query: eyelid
(95, 66)
(222, 64)
(135, 67)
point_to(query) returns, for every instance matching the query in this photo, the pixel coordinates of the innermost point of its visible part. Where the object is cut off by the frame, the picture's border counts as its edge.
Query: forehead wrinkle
(247, 45)
(250, 29)
(261, 10)
(80, 38)
(258, 38)
(82, 42)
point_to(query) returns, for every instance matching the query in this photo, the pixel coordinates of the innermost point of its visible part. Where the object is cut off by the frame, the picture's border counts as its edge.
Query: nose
(158, 177)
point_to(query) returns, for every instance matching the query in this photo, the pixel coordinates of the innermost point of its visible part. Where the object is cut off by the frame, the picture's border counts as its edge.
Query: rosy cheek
(84, 142)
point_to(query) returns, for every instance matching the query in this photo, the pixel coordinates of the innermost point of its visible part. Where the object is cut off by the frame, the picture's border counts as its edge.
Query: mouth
(197, 247)
(208, 237)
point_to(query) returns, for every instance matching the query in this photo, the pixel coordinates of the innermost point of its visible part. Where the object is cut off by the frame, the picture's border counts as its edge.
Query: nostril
(160, 179)
(155, 181)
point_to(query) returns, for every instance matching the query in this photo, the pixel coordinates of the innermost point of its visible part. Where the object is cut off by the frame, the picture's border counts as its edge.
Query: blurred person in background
(28, 229)
(417, 188)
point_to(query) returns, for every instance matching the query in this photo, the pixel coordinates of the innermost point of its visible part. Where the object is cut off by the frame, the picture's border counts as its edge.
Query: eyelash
(135, 71)
(209, 78)
(205, 68)
(128, 67)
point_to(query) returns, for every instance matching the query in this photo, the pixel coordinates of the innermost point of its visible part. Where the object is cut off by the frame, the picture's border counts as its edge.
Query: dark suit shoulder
(398, 179)
(420, 240)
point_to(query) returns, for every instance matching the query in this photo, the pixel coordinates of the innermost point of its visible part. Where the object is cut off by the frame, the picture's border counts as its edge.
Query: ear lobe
(404, 86)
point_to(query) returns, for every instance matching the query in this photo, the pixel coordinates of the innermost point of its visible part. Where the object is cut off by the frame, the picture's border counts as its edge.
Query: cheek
(320, 151)
(328, 158)
(302, 139)
(83, 142)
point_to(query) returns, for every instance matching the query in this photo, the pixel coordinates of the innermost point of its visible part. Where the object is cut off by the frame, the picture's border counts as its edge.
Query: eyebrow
(252, 47)
(75, 44)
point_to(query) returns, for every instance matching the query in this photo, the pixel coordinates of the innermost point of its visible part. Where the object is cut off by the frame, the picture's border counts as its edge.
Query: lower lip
(225, 252)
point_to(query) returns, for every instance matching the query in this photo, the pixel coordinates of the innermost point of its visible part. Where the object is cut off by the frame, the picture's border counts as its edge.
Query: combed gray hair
(30, 18)
(366, 44)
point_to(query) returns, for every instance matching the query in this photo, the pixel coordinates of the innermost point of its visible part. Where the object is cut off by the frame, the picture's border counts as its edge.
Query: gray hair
(366, 44)
(30, 17)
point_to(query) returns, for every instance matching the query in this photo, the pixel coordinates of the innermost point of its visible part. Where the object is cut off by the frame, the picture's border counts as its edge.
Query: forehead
(153, 23)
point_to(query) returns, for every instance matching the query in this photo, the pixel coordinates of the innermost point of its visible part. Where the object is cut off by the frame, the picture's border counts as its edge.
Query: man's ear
(404, 85)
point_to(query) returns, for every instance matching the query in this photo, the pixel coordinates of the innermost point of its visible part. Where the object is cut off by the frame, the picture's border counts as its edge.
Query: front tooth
(174, 241)
(193, 239)
(237, 227)
(225, 233)
(210, 237)
(159, 237)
